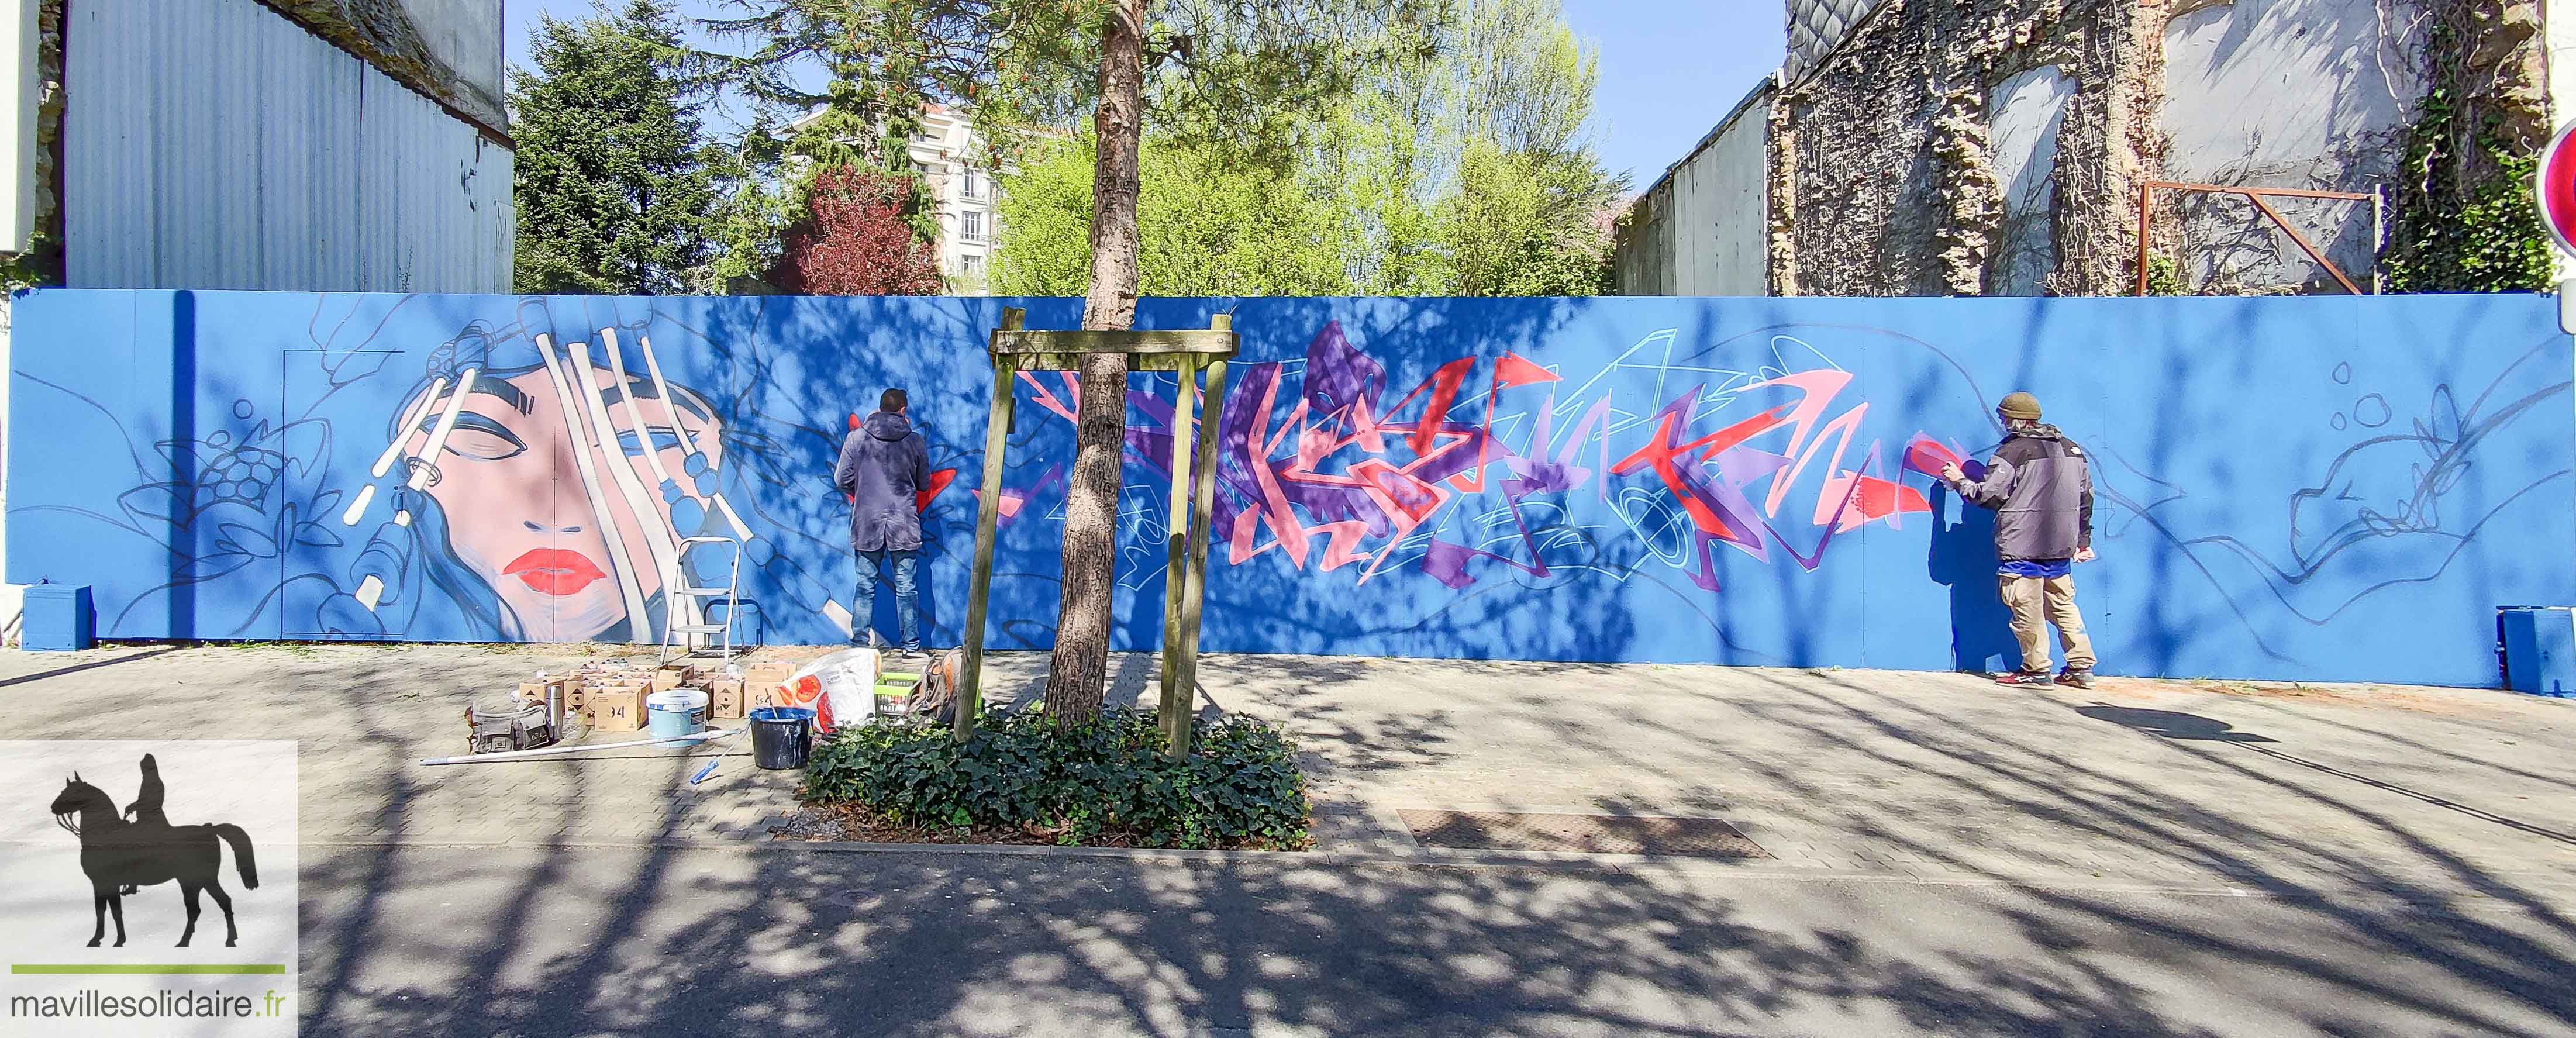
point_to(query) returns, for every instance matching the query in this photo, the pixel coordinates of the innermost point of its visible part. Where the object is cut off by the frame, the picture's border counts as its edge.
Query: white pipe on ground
(471, 758)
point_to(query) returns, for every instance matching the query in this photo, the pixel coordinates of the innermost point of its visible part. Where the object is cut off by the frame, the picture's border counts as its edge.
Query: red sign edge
(2554, 187)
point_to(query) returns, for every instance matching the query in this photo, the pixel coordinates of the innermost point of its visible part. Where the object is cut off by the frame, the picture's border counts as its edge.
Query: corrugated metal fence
(213, 144)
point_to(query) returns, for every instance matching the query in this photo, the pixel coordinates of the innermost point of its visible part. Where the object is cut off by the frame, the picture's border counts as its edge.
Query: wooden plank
(1047, 361)
(1167, 361)
(1135, 361)
(1221, 343)
(1194, 596)
(988, 525)
(1175, 711)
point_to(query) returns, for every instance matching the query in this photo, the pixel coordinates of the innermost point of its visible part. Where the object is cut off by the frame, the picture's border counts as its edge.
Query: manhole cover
(1590, 834)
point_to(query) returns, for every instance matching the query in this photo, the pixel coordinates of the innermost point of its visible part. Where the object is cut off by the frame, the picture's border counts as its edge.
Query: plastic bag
(839, 688)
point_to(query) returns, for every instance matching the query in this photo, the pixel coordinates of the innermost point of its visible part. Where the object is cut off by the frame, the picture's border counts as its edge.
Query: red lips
(554, 570)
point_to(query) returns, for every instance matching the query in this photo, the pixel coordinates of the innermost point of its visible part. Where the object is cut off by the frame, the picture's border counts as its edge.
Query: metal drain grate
(1589, 834)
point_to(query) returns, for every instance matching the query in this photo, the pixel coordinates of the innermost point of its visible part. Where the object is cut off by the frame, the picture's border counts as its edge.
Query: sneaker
(2025, 677)
(2075, 678)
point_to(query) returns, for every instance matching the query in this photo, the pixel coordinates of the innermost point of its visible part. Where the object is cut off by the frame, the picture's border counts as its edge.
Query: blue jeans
(907, 611)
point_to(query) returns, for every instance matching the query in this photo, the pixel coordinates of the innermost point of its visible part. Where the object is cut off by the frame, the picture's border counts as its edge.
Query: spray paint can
(554, 704)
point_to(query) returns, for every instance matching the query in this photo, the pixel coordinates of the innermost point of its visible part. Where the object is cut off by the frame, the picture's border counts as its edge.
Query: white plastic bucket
(680, 711)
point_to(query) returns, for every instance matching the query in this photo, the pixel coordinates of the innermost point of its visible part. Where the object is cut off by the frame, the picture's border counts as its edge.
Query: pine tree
(613, 190)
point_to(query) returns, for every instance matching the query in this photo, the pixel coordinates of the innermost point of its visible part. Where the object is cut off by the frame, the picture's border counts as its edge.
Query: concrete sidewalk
(1846, 772)
(779, 939)
(1950, 858)
(1941, 775)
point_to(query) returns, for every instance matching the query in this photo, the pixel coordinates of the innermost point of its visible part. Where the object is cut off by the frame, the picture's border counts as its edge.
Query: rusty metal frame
(2256, 195)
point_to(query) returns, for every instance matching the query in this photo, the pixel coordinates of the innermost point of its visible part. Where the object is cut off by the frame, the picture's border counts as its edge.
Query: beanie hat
(2020, 405)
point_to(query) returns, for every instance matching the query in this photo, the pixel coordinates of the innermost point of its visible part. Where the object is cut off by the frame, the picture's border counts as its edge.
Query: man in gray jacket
(2041, 488)
(884, 466)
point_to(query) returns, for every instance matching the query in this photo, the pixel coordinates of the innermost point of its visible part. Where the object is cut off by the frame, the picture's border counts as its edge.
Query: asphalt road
(791, 941)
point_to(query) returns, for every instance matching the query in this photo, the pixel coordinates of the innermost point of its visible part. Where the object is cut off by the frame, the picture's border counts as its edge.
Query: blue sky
(1669, 68)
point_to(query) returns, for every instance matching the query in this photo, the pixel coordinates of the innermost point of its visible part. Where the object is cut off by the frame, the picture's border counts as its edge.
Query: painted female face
(558, 487)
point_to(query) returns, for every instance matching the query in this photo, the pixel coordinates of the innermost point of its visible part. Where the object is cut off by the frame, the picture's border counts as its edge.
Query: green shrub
(2164, 277)
(1107, 780)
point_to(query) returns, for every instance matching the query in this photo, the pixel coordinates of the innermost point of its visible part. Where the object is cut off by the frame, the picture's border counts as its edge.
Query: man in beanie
(2041, 489)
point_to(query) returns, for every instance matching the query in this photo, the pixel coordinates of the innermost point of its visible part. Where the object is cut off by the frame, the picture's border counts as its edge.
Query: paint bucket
(679, 711)
(781, 736)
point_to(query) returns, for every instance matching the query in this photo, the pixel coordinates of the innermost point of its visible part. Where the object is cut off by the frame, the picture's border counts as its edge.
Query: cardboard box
(725, 699)
(616, 711)
(760, 683)
(665, 680)
(680, 673)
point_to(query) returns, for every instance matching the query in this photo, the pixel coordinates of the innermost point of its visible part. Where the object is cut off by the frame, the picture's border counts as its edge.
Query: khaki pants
(2037, 602)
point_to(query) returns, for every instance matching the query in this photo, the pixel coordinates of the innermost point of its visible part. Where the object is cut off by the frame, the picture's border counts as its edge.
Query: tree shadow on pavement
(2366, 915)
(2426, 907)
(796, 940)
(818, 942)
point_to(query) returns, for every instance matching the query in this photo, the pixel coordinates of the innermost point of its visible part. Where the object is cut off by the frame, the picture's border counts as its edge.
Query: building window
(970, 226)
(974, 186)
(973, 266)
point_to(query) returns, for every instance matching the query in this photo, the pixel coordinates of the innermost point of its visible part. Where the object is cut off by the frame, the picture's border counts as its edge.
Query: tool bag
(935, 695)
(500, 725)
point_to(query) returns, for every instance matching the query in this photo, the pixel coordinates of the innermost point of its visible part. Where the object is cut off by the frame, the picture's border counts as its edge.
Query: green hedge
(1107, 780)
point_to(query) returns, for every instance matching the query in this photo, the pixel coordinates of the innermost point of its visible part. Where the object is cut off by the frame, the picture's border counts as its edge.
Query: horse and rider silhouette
(121, 856)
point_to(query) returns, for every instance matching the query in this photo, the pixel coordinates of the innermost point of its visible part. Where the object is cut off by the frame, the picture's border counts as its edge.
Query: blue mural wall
(2319, 489)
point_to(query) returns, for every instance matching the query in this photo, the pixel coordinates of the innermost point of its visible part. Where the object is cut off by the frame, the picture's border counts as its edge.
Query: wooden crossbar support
(1213, 341)
(1186, 352)
(2147, 205)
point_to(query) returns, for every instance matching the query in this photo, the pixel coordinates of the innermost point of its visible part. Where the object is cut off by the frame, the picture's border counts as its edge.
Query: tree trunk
(1081, 664)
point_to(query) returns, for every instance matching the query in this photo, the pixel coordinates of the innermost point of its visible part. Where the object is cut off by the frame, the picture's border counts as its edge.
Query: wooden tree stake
(1187, 353)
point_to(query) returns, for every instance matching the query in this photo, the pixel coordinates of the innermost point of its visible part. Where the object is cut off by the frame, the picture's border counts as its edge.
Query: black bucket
(781, 736)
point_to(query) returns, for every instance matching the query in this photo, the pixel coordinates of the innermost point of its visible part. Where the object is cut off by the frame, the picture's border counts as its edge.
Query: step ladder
(689, 627)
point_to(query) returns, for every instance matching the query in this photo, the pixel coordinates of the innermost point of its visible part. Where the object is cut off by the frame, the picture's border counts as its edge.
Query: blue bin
(2539, 649)
(56, 618)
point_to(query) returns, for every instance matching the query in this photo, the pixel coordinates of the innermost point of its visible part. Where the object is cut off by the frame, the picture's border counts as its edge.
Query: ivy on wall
(40, 265)
(2164, 277)
(2465, 220)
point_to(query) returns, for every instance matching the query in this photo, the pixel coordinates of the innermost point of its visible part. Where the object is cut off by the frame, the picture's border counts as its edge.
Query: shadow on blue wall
(1962, 559)
(2281, 481)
